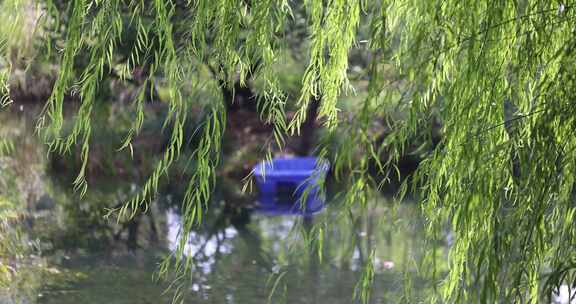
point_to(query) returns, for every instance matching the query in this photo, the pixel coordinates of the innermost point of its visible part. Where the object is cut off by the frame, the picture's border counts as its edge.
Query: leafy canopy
(497, 76)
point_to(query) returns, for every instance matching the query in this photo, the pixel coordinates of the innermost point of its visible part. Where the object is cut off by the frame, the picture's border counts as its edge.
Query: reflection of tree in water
(246, 256)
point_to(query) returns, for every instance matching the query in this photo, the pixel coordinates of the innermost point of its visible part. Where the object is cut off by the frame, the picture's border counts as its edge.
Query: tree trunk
(308, 128)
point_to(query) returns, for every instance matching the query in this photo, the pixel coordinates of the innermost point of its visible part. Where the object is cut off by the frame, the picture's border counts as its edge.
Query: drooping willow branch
(472, 66)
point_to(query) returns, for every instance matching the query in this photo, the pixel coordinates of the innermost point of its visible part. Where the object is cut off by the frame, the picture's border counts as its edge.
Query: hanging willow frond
(496, 77)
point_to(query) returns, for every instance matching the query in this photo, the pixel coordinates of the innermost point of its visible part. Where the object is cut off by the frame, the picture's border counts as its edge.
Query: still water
(241, 266)
(250, 258)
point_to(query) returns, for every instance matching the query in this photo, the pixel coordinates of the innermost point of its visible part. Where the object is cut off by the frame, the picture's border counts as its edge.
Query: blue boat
(291, 185)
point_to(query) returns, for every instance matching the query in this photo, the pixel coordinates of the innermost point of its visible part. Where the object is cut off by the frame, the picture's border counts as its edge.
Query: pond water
(241, 266)
(238, 257)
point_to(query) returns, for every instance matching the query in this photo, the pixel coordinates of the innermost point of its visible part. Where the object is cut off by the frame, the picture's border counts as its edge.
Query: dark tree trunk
(308, 128)
(132, 241)
(238, 97)
(153, 230)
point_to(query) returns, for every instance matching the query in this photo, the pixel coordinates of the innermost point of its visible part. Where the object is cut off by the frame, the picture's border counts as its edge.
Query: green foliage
(362, 291)
(333, 30)
(496, 76)
(499, 75)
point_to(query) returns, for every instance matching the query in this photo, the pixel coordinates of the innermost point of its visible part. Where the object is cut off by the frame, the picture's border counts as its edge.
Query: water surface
(246, 257)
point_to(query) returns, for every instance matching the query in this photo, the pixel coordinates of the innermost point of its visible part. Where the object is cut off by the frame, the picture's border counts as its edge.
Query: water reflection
(202, 247)
(287, 205)
(235, 264)
(197, 243)
(240, 263)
